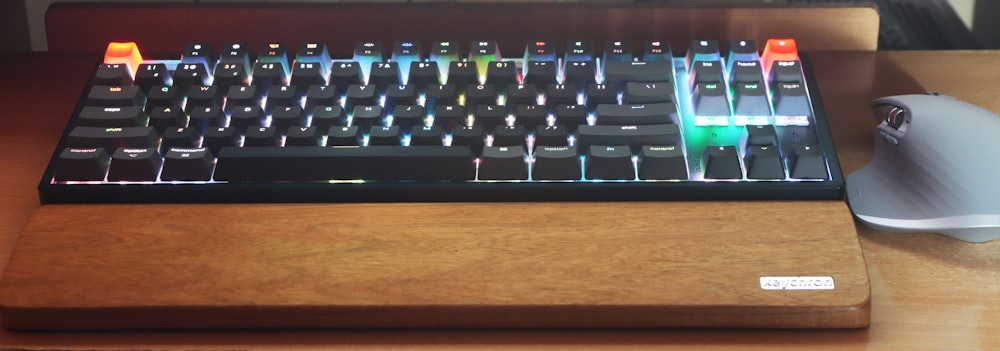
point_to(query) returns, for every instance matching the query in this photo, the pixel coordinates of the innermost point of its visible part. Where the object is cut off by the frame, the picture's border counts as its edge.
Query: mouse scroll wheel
(893, 115)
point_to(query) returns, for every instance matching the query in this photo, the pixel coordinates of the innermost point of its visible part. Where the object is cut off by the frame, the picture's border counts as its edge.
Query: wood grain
(434, 265)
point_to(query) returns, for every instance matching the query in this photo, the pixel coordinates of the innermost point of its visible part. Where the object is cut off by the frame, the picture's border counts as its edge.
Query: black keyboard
(448, 121)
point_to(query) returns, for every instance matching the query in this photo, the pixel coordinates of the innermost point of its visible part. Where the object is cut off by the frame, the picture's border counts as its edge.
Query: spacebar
(309, 163)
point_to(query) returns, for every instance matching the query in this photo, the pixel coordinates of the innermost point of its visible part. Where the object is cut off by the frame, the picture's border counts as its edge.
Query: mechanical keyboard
(448, 121)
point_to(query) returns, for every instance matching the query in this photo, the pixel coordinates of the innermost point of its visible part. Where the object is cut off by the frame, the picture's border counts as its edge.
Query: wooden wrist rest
(635, 264)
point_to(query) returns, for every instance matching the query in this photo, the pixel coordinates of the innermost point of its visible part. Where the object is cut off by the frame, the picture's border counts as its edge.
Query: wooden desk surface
(928, 292)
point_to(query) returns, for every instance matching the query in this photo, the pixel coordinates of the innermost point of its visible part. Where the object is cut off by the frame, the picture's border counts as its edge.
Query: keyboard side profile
(448, 122)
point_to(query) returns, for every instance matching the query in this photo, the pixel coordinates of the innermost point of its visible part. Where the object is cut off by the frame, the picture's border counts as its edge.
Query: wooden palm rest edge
(673, 264)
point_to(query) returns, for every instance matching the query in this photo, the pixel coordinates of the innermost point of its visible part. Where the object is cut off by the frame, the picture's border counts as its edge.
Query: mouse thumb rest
(929, 171)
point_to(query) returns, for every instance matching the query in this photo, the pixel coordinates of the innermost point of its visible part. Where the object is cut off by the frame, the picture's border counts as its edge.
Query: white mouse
(935, 168)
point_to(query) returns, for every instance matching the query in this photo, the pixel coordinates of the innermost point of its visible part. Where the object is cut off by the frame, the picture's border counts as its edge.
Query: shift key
(633, 114)
(112, 138)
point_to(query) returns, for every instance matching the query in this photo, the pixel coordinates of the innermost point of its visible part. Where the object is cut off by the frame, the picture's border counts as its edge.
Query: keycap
(634, 135)
(471, 136)
(126, 53)
(556, 163)
(152, 74)
(785, 72)
(199, 96)
(321, 95)
(113, 74)
(521, 94)
(135, 165)
(489, 116)
(449, 116)
(229, 74)
(632, 114)
(571, 116)
(617, 50)
(202, 118)
(384, 135)
(366, 116)
(82, 164)
(423, 74)
(476, 94)
(364, 95)
(178, 137)
(407, 116)
(540, 73)
(501, 73)
(461, 74)
(483, 52)
(285, 117)
(530, 116)
(764, 162)
(579, 51)
(750, 99)
(554, 135)
(598, 94)
(721, 162)
(344, 136)
(609, 162)
(662, 163)
(405, 53)
(303, 136)
(115, 96)
(644, 93)
(705, 72)
(112, 138)
(282, 96)
(656, 50)
(128, 116)
(509, 136)
(190, 74)
(778, 50)
(187, 164)
(165, 96)
(807, 162)
(345, 74)
(742, 50)
(540, 50)
(314, 52)
(579, 73)
(710, 99)
(384, 74)
(245, 117)
(503, 163)
(560, 94)
(324, 117)
(198, 54)
(428, 135)
(161, 118)
(399, 95)
(218, 137)
(303, 163)
(244, 95)
(617, 73)
(790, 99)
(701, 50)
(444, 52)
(307, 73)
(761, 135)
(746, 72)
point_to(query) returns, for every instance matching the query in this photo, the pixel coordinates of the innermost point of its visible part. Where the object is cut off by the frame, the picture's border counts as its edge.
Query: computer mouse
(935, 168)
